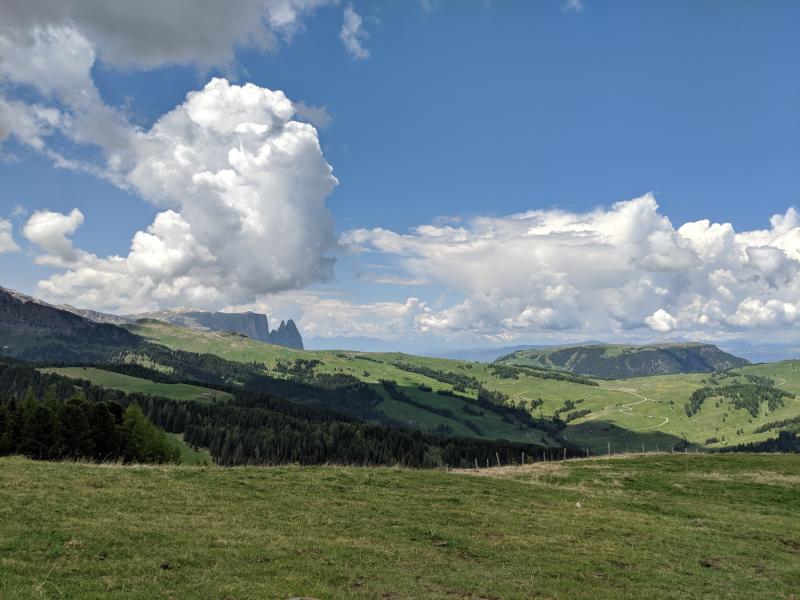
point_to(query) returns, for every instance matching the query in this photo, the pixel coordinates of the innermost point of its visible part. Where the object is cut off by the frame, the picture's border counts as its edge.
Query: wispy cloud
(7, 243)
(353, 35)
(318, 116)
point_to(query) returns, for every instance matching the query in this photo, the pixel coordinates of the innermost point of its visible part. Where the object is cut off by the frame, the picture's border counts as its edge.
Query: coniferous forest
(58, 421)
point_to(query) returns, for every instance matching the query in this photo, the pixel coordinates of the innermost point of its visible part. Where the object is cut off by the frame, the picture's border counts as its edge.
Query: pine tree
(38, 436)
(50, 398)
(13, 429)
(143, 441)
(29, 401)
(103, 431)
(3, 426)
(75, 439)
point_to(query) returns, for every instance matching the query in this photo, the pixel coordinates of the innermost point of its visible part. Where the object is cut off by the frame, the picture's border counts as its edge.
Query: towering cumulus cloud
(240, 181)
(608, 270)
(243, 188)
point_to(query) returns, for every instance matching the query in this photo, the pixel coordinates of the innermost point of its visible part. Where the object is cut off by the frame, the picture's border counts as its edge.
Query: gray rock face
(251, 324)
(287, 335)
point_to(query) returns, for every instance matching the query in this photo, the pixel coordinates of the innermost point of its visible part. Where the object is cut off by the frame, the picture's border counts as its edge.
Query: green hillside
(126, 383)
(658, 526)
(624, 415)
(369, 368)
(619, 362)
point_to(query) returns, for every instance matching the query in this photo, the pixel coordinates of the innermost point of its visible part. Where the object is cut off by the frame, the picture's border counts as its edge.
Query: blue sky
(471, 110)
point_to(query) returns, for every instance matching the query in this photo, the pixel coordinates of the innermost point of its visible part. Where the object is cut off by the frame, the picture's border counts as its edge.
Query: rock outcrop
(253, 325)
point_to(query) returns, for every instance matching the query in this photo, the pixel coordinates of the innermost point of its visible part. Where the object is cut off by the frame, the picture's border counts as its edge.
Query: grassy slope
(659, 526)
(238, 348)
(667, 395)
(126, 383)
(660, 421)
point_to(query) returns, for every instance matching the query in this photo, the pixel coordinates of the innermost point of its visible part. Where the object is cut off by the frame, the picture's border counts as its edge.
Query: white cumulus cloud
(243, 186)
(661, 321)
(240, 181)
(609, 270)
(50, 231)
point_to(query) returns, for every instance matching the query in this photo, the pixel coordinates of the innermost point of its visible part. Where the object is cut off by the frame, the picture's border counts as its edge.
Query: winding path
(626, 409)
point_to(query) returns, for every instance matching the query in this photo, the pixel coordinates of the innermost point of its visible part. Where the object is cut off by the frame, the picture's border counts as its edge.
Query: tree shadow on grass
(602, 436)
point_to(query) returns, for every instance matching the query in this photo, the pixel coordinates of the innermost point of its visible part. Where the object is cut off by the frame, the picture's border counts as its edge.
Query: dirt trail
(627, 410)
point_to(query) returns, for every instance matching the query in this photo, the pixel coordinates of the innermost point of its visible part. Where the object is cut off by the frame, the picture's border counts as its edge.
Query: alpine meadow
(319, 299)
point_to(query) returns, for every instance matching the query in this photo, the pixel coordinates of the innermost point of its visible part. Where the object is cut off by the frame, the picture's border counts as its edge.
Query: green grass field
(625, 414)
(126, 383)
(660, 526)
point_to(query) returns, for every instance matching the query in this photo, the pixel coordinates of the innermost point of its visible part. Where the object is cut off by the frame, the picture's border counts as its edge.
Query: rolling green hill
(624, 415)
(443, 411)
(620, 362)
(659, 526)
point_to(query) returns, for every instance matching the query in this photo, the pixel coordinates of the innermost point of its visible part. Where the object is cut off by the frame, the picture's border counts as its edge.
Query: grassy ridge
(126, 383)
(361, 365)
(661, 526)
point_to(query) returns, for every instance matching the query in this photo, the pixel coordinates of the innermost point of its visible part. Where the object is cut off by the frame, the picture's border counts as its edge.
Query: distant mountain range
(253, 325)
(648, 359)
(612, 361)
(491, 354)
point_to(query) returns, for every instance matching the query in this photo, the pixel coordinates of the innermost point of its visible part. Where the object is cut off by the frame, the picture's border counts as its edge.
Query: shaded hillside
(30, 329)
(620, 362)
